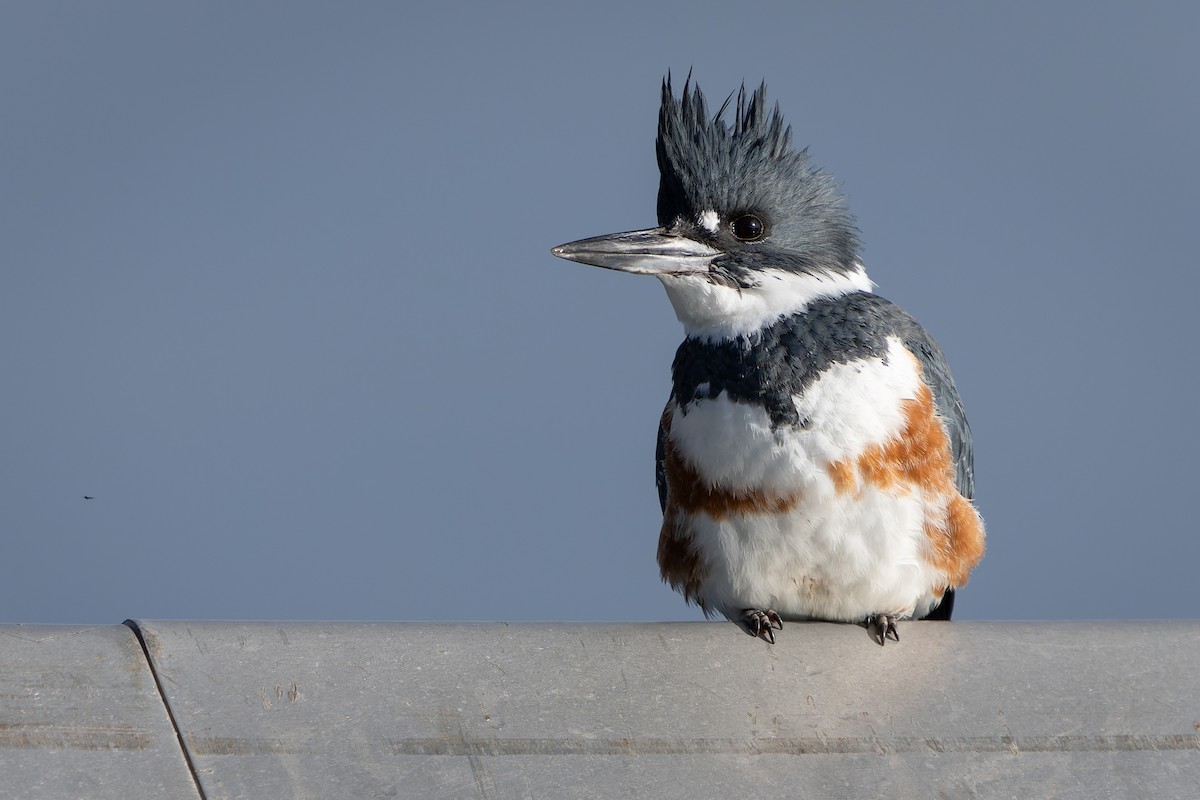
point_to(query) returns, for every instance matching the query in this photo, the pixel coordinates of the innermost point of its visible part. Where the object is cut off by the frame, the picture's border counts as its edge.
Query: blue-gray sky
(277, 291)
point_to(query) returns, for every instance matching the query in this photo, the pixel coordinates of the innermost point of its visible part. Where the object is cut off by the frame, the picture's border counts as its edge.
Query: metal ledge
(80, 717)
(687, 710)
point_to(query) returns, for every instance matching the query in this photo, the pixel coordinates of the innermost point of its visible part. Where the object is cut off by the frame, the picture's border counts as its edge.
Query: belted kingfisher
(814, 460)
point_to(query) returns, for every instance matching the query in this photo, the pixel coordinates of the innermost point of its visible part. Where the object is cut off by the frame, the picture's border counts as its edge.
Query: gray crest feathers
(745, 165)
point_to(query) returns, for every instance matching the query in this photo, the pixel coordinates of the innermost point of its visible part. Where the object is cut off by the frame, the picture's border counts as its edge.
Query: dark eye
(748, 228)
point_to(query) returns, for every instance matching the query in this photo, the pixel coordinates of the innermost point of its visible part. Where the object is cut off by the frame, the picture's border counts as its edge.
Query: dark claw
(883, 627)
(759, 623)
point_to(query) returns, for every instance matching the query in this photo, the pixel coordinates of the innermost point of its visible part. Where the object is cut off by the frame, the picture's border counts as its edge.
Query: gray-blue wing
(660, 454)
(950, 408)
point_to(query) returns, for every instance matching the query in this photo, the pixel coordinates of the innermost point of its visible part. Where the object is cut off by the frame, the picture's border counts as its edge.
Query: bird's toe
(762, 624)
(882, 627)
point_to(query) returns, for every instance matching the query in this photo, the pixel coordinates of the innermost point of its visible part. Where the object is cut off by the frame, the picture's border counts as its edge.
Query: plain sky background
(276, 289)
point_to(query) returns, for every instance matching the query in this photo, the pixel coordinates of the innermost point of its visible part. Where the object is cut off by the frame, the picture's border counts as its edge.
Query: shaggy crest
(750, 167)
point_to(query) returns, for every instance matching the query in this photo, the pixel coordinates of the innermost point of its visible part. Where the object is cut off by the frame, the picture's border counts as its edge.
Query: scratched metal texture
(80, 717)
(685, 710)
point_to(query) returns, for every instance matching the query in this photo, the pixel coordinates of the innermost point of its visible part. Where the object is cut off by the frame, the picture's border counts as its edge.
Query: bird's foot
(759, 623)
(882, 627)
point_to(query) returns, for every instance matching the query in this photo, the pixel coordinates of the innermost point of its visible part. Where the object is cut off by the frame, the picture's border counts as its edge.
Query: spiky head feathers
(750, 167)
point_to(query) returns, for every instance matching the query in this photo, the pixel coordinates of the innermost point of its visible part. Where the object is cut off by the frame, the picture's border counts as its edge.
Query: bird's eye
(748, 228)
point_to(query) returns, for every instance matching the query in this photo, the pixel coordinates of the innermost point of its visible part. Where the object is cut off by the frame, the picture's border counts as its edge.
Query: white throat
(713, 312)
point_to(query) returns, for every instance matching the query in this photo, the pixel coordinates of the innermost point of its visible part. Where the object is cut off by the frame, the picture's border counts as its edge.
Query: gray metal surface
(80, 717)
(685, 710)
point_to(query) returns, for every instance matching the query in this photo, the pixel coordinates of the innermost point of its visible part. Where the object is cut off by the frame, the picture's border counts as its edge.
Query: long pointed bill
(649, 252)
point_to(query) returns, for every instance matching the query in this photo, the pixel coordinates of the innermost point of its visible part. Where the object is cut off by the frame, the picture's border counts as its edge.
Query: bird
(813, 460)
(88, 497)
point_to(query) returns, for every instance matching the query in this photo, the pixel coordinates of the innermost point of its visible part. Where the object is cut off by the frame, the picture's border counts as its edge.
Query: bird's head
(748, 229)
